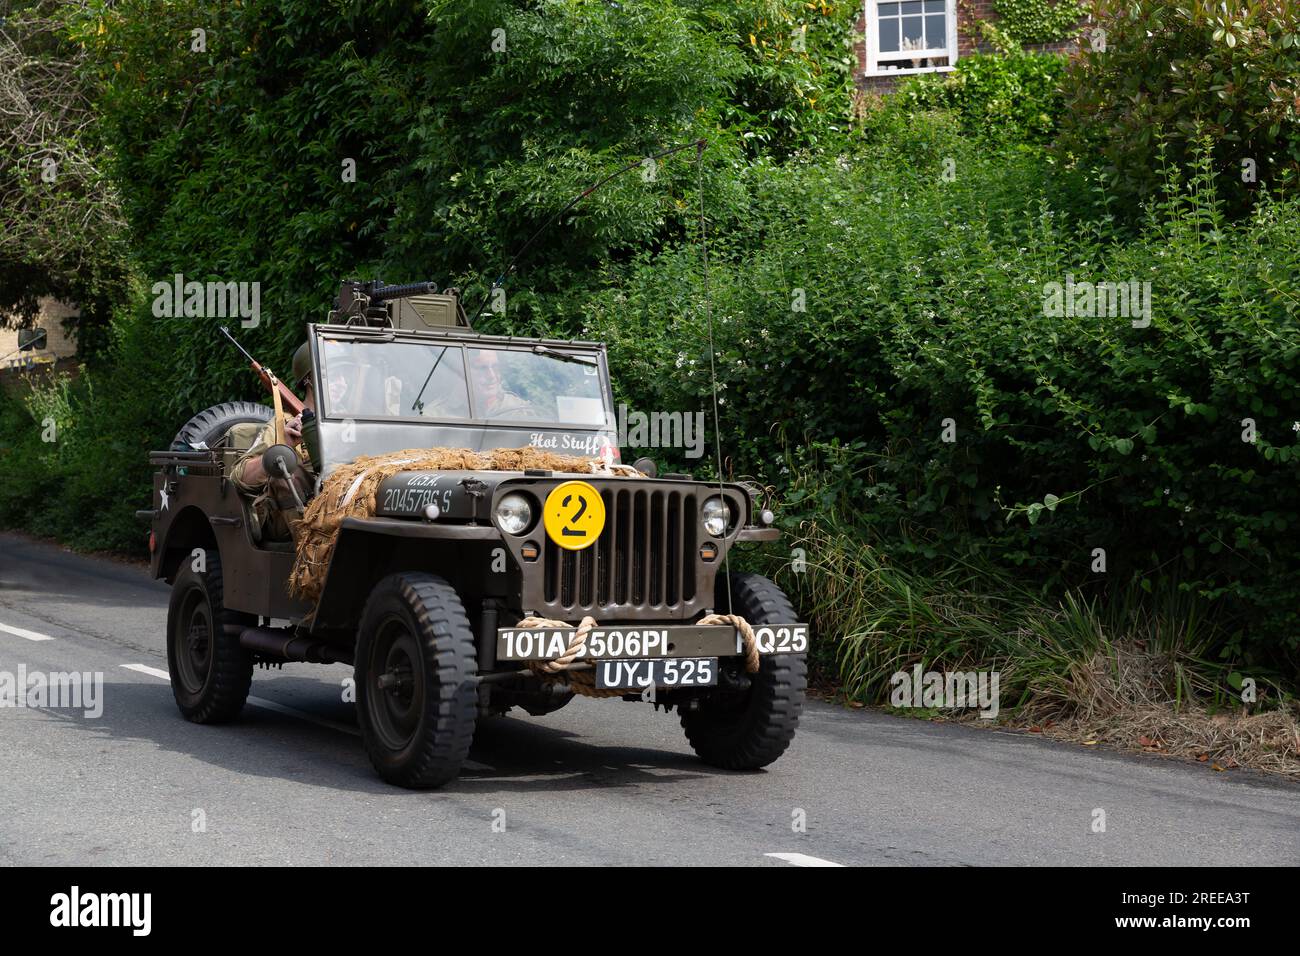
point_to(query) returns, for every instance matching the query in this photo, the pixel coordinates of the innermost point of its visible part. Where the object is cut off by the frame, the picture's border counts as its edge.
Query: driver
(270, 495)
(491, 396)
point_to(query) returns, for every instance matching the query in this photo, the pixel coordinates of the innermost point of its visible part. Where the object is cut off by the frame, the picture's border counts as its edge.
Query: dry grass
(1130, 698)
(1120, 676)
(1268, 742)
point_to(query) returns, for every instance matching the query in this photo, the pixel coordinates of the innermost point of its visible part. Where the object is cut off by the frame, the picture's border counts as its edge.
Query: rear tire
(417, 700)
(751, 729)
(210, 672)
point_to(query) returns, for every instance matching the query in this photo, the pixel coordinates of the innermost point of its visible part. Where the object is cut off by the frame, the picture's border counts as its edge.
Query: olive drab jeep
(424, 596)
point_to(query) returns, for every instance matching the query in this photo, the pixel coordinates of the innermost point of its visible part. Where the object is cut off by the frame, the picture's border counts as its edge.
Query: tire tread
(767, 726)
(232, 666)
(446, 638)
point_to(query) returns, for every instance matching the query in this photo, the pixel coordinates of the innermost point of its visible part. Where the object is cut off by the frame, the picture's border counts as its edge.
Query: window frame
(871, 16)
(584, 350)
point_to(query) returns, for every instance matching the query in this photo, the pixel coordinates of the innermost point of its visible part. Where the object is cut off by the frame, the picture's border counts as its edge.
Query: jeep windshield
(461, 382)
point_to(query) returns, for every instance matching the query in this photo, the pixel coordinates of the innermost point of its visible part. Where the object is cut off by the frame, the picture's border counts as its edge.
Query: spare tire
(212, 423)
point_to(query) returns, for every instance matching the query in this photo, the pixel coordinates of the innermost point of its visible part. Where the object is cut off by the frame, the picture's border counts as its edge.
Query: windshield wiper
(563, 356)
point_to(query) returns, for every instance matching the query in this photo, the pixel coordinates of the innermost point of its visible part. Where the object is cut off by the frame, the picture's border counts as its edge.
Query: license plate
(662, 673)
(633, 642)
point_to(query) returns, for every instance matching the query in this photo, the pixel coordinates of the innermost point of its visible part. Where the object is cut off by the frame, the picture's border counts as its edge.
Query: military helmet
(301, 363)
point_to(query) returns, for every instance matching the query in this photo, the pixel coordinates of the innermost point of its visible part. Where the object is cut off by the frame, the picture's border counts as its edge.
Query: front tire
(417, 700)
(210, 672)
(751, 729)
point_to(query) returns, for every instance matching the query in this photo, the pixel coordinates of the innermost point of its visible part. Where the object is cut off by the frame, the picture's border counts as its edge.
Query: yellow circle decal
(574, 515)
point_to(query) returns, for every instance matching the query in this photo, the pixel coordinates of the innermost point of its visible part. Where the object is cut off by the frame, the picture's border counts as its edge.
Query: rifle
(268, 378)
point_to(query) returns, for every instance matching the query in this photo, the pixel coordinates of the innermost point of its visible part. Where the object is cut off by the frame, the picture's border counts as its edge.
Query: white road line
(799, 859)
(290, 711)
(259, 702)
(22, 632)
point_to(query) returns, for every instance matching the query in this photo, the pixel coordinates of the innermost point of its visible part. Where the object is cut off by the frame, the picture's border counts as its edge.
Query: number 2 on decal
(582, 507)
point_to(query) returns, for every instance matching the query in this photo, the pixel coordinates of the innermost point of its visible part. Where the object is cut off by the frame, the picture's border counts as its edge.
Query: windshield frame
(591, 351)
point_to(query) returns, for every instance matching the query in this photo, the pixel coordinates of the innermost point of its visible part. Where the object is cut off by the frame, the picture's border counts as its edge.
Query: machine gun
(413, 305)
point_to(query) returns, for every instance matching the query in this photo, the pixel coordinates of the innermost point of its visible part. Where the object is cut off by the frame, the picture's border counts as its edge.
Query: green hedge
(925, 302)
(1011, 98)
(1038, 21)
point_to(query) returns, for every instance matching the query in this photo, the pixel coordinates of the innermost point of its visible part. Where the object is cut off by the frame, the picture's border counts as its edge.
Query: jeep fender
(369, 549)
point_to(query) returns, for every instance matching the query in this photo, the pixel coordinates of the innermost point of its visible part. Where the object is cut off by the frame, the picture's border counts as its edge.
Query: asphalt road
(600, 782)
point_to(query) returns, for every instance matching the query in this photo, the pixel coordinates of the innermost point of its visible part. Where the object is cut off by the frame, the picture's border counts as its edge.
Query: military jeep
(423, 598)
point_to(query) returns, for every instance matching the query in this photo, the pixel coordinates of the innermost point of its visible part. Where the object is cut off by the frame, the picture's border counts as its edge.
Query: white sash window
(910, 36)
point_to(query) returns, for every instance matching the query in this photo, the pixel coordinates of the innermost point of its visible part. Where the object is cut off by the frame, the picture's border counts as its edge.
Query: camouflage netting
(349, 492)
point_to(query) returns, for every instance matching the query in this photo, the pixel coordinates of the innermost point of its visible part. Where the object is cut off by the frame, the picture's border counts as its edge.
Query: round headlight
(716, 516)
(514, 513)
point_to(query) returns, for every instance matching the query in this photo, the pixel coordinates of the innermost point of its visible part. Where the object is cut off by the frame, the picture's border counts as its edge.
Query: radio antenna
(713, 368)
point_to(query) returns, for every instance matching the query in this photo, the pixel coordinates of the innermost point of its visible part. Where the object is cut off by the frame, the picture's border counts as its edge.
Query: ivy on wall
(1038, 21)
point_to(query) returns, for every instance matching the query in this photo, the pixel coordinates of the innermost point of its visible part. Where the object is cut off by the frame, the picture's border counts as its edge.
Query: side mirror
(29, 339)
(280, 461)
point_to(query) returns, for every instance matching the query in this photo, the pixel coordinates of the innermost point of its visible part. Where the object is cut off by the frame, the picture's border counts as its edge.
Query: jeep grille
(644, 558)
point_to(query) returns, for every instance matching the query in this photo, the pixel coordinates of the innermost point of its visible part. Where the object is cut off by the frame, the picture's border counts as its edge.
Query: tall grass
(873, 617)
(877, 609)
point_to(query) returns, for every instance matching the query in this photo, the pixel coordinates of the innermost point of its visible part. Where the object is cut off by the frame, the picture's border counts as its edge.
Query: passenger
(270, 496)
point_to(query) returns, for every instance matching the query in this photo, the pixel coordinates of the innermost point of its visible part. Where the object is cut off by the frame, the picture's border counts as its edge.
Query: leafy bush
(470, 124)
(74, 452)
(1012, 97)
(1170, 73)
